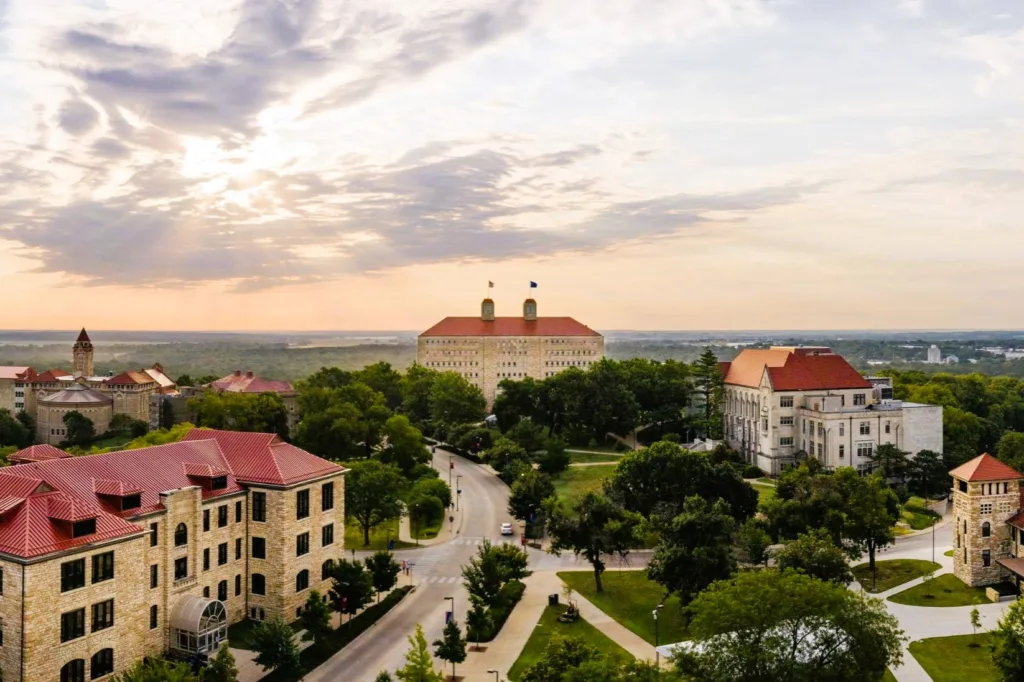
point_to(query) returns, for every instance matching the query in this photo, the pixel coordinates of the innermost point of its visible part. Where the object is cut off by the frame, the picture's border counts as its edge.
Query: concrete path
(611, 453)
(627, 639)
(447, 531)
(593, 464)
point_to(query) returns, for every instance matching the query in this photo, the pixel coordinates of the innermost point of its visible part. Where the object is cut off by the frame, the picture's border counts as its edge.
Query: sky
(333, 164)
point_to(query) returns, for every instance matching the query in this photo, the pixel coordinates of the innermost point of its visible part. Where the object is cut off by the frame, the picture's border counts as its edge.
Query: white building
(934, 355)
(784, 400)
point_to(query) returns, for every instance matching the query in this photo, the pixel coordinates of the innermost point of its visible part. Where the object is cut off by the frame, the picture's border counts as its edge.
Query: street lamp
(657, 654)
(452, 600)
(495, 675)
(458, 490)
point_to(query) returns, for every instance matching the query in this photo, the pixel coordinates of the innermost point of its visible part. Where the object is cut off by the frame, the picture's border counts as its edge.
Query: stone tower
(986, 493)
(82, 352)
(487, 310)
(530, 310)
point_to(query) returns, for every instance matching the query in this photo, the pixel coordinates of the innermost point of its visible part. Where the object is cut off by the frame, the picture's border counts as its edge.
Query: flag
(490, 285)
(533, 285)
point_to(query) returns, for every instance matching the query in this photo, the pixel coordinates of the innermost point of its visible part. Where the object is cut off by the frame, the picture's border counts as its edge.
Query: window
(222, 553)
(986, 507)
(259, 507)
(238, 548)
(259, 548)
(238, 512)
(153, 617)
(326, 568)
(785, 441)
(302, 580)
(327, 496)
(72, 575)
(206, 559)
(238, 585)
(301, 544)
(102, 663)
(73, 671)
(887, 427)
(206, 520)
(219, 483)
(859, 398)
(302, 504)
(1006, 488)
(842, 451)
(865, 450)
(986, 529)
(206, 592)
(153, 528)
(865, 428)
(181, 568)
(820, 451)
(154, 576)
(103, 615)
(222, 516)
(785, 421)
(259, 584)
(786, 401)
(222, 590)
(842, 429)
(327, 535)
(986, 558)
(1, 581)
(963, 486)
(102, 567)
(72, 625)
(79, 529)
(181, 535)
(764, 424)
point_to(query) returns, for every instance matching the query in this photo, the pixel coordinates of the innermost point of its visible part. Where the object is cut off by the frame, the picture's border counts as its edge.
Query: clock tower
(82, 352)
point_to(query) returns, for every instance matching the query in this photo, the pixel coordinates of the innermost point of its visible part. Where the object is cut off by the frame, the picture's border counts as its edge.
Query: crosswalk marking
(441, 579)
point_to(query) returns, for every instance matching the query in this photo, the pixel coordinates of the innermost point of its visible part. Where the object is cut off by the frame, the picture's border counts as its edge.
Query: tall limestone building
(488, 349)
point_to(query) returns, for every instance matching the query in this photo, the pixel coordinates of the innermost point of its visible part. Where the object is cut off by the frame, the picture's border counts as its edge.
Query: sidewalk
(444, 534)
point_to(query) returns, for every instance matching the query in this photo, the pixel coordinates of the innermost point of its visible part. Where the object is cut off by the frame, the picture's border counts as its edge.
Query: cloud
(1001, 179)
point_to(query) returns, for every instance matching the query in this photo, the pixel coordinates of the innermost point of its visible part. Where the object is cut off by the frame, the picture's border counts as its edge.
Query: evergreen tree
(710, 386)
(383, 571)
(274, 644)
(222, 669)
(451, 647)
(419, 665)
(316, 619)
(351, 586)
(478, 620)
(384, 676)
(80, 428)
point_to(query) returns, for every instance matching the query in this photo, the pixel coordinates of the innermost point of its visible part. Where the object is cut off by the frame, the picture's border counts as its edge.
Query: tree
(157, 670)
(436, 488)
(710, 388)
(754, 540)
(316, 619)
(222, 668)
(402, 444)
(351, 586)
(527, 435)
(554, 459)
(928, 474)
(694, 550)
(80, 428)
(871, 512)
(772, 625)
(383, 676)
(383, 571)
(453, 400)
(274, 644)
(891, 462)
(478, 620)
(416, 389)
(492, 568)
(138, 428)
(592, 527)
(383, 378)
(13, 431)
(1010, 450)
(516, 400)
(121, 423)
(419, 666)
(815, 554)
(975, 624)
(527, 494)
(562, 655)
(1006, 644)
(372, 494)
(451, 647)
(184, 380)
(503, 453)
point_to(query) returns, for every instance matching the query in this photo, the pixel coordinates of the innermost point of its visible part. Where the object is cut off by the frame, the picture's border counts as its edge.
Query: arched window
(259, 584)
(181, 535)
(73, 671)
(326, 568)
(102, 663)
(222, 590)
(986, 529)
(302, 580)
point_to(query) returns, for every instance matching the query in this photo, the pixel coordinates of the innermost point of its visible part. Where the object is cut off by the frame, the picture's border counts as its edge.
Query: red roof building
(793, 369)
(247, 382)
(985, 467)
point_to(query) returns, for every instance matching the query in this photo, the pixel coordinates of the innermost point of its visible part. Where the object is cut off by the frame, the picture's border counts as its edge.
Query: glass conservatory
(197, 625)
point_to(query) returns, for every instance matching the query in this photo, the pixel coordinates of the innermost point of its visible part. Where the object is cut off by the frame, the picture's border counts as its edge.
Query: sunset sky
(371, 164)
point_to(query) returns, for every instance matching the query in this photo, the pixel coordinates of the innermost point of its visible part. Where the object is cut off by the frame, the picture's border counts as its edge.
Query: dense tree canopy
(592, 527)
(80, 429)
(260, 412)
(815, 554)
(373, 494)
(13, 432)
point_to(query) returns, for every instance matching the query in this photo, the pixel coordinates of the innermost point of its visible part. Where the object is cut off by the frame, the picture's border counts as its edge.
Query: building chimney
(530, 310)
(487, 310)
(238, 372)
(248, 374)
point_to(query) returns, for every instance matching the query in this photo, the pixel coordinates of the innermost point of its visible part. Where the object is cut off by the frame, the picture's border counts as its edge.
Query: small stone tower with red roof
(986, 494)
(82, 352)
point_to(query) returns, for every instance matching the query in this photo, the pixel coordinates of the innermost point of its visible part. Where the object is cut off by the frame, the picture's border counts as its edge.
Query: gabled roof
(9, 372)
(50, 376)
(37, 453)
(265, 458)
(985, 467)
(794, 369)
(112, 488)
(130, 379)
(247, 382)
(509, 326)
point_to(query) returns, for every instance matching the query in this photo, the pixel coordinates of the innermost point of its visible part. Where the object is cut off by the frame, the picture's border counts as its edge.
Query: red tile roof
(50, 376)
(509, 326)
(794, 369)
(37, 453)
(985, 468)
(8, 372)
(35, 494)
(247, 382)
(82, 336)
(130, 379)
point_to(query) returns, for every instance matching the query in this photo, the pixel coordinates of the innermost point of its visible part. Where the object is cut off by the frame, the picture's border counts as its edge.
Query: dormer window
(131, 502)
(82, 528)
(219, 483)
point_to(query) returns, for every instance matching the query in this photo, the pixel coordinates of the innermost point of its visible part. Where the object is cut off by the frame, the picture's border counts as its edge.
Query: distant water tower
(934, 355)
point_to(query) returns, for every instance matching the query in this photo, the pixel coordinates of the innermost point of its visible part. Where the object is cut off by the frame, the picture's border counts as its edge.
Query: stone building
(988, 522)
(106, 559)
(12, 390)
(489, 349)
(784, 400)
(236, 382)
(52, 408)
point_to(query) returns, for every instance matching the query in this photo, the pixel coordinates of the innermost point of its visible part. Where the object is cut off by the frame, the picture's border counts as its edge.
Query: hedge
(314, 656)
(509, 595)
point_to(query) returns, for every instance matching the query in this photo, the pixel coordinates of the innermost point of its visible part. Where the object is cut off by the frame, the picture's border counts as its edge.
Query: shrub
(751, 471)
(672, 438)
(509, 595)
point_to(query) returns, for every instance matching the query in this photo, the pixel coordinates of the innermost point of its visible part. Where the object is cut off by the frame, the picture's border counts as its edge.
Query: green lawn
(892, 573)
(115, 441)
(953, 659)
(589, 457)
(766, 480)
(629, 597)
(426, 531)
(764, 492)
(944, 590)
(378, 536)
(549, 626)
(949, 552)
(888, 676)
(575, 482)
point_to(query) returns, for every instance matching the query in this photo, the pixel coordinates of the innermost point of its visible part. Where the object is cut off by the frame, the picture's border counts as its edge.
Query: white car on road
(506, 529)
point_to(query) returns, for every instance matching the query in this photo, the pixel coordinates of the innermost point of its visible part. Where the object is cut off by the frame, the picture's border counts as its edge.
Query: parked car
(506, 529)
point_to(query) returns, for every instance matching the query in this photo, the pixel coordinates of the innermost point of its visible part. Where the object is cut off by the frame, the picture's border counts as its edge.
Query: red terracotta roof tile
(12, 373)
(247, 382)
(37, 453)
(105, 486)
(264, 458)
(509, 326)
(51, 376)
(130, 379)
(202, 470)
(64, 507)
(985, 467)
(799, 369)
